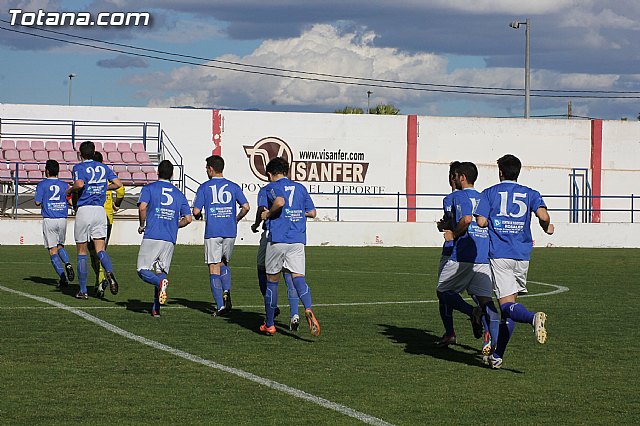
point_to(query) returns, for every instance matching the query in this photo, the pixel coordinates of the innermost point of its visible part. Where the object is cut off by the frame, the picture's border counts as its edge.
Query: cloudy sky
(407, 53)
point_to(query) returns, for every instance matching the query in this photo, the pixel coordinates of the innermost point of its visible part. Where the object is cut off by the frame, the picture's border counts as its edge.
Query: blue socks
(149, 277)
(83, 272)
(511, 313)
(105, 260)
(262, 280)
(225, 277)
(517, 312)
(57, 265)
(216, 289)
(304, 293)
(63, 255)
(446, 315)
(506, 330)
(456, 301)
(271, 301)
(492, 321)
(292, 294)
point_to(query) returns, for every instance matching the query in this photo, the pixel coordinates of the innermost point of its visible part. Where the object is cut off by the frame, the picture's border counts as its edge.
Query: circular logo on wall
(264, 151)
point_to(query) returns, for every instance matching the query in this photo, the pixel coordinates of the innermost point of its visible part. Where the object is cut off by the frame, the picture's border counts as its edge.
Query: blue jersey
(289, 225)
(508, 207)
(51, 194)
(96, 177)
(218, 198)
(165, 206)
(473, 245)
(447, 247)
(263, 202)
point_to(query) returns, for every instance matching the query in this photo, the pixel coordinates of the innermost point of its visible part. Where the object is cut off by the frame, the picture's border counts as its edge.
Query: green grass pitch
(378, 359)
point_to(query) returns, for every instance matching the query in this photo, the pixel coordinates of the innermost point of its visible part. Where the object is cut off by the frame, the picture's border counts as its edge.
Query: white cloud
(606, 18)
(323, 49)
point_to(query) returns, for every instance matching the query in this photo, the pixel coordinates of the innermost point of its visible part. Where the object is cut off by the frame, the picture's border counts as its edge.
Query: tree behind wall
(349, 110)
(382, 109)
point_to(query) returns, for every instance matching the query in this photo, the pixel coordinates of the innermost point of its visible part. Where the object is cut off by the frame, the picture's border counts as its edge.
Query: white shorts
(285, 256)
(155, 255)
(54, 231)
(509, 276)
(443, 261)
(460, 276)
(217, 248)
(262, 250)
(91, 224)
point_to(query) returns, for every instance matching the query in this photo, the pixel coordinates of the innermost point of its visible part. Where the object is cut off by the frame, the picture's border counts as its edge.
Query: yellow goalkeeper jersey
(108, 204)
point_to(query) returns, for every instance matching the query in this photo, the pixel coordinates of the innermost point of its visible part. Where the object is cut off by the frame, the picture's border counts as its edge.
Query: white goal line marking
(558, 289)
(194, 358)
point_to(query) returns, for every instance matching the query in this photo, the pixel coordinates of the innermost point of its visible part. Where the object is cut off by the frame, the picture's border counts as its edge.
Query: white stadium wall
(354, 234)
(374, 161)
(548, 149)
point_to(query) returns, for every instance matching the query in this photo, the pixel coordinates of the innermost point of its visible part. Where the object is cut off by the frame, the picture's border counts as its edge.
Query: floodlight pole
(527, 71)
(70, 86)
(527, 64)
(369, 92)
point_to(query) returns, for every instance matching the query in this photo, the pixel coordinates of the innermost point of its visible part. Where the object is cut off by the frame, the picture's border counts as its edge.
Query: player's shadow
(135, 305)
(423, 342)
(68, 290)
(252, 320)
(198, 305)
(41, 280)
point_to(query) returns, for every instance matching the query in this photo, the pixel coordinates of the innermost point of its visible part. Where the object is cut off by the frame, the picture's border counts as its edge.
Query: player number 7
(293, 191)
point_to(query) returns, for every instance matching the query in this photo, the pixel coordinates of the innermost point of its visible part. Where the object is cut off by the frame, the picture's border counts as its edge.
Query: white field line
(558, 289)
(194, 358)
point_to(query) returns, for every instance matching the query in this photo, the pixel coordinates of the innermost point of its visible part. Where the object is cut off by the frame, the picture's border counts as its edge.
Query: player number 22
(97, 171)
(517, 200)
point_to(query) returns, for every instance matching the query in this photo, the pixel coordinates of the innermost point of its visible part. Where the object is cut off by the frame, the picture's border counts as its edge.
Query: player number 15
(517, 200)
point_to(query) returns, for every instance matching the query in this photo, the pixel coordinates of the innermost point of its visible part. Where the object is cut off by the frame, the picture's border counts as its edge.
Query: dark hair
(165, 170)
(510, 166)
(278, 166)
(97, 156)
(469, 170)
(87, 150)
(52, 167)
(216, 163)
(453, 168)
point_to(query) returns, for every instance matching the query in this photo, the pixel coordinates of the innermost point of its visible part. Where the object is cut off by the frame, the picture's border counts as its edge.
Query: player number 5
(166, 192)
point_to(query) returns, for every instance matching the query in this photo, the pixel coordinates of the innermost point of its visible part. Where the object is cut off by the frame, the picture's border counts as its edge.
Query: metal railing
(168, 151)
(21, 188)
(147, 133)
(395, 202)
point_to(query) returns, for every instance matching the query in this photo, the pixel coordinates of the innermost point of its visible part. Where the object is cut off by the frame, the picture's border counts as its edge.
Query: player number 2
(56, 193)
(166, 192)
(220, 196)
(293, 191)
(522, 206)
